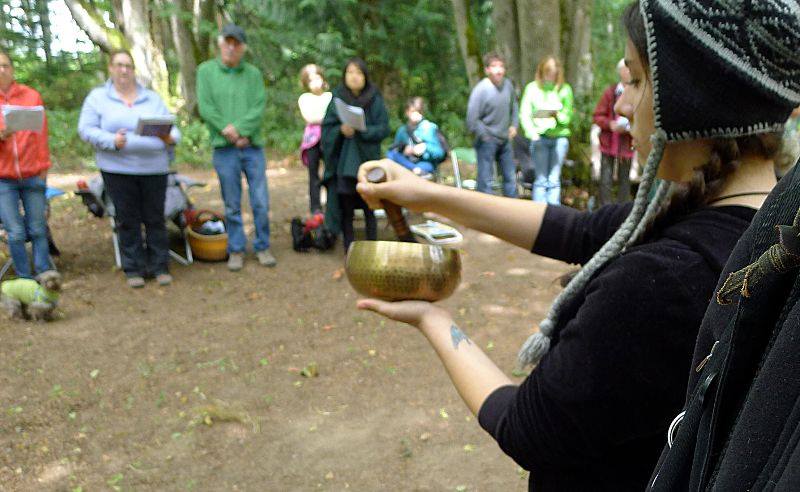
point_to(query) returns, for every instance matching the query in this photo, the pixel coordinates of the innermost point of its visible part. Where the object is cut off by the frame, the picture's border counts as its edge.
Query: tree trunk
(578, 63)
(160, 29)
(4, 41)
(47, 36)
(539, 27)
(204, 16)
(182, 39)
(149, 60)
(466, 40)
(30, 11)
(116, 11)
(504, 17)
(91, 22)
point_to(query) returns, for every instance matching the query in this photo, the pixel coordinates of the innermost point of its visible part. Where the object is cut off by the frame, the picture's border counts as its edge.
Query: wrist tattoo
(458, 336)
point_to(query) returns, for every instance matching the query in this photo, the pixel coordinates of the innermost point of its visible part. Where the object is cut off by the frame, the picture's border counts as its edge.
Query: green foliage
(195, 146)
(65, 83)
(68, 151)
(410, 47)
(608, 47)
(608, 42)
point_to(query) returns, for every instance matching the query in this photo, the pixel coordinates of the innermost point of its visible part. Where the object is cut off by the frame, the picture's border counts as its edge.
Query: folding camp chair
(458, 157)
(176, 204)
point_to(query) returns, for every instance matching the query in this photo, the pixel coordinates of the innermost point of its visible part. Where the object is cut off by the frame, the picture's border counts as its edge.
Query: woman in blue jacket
(134, 167)
(416, 144)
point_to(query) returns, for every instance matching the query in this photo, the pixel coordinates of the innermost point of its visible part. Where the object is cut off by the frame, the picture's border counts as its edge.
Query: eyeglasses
(123, 65)
(5, 65)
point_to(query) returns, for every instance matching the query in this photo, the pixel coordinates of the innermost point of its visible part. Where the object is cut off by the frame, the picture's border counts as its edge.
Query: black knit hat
(723, 68)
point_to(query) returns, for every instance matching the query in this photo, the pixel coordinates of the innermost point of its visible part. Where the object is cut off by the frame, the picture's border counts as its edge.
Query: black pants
(314, 156)
(140, 200)
(347, 204)
(607, 164)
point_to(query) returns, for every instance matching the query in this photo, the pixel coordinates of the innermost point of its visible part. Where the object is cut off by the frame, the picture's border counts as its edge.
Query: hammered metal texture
(395, 271)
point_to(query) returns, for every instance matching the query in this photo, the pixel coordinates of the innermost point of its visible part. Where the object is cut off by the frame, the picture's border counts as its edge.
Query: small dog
(24, 298)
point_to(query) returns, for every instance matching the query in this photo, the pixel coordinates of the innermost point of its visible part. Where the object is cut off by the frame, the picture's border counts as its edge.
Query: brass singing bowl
(397, 271)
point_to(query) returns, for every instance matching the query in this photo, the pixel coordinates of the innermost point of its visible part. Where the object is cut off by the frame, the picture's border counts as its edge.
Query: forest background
(430, 48)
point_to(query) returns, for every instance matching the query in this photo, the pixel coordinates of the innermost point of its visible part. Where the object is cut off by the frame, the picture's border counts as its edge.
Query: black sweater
(741, 429)
(593, 414)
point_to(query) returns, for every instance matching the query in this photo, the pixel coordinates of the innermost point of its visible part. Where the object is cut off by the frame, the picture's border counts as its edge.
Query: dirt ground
(199, 386)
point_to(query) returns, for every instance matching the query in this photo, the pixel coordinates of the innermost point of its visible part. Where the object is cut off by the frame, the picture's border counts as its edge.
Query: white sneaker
(235, 261)
(135, 282)
(164, 279)
(266, 259)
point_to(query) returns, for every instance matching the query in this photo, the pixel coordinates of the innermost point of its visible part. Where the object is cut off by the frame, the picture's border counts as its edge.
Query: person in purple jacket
(612, 355)
(134, 167)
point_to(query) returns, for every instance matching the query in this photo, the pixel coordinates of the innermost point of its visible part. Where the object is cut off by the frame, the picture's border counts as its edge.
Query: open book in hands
(547, 111)
(21, 118)
(352, 116)
(155, 126)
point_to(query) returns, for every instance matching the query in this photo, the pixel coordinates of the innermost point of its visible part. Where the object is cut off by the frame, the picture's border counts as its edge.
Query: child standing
(313, 104)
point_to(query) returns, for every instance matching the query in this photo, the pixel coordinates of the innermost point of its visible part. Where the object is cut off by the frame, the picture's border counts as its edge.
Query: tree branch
(90, 21)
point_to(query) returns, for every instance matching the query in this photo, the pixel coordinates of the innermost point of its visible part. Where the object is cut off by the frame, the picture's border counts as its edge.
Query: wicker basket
(207, 247)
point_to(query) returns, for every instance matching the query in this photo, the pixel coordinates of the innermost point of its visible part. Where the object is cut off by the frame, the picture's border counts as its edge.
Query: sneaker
(135, 282)
(266, 259)
(164, 279)
(235, 261)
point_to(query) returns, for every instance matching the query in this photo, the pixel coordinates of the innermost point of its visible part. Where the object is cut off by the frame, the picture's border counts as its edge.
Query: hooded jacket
(611, 143)
(741, 426)
(343, 156)
(23, 154)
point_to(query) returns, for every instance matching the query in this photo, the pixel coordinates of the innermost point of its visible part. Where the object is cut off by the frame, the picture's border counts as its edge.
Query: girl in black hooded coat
(345, 149)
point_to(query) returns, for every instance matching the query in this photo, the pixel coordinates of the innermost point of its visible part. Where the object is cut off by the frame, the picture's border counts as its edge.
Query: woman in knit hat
(712, 84)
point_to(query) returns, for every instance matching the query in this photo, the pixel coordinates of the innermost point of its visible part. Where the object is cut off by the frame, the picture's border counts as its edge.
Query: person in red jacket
(24, 161)
(615, 141)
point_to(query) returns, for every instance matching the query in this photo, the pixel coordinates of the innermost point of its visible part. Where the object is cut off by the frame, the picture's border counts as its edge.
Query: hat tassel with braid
(643, 212)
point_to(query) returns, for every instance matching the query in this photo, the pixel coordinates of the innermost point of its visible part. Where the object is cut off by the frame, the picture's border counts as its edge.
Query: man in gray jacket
(493, 117)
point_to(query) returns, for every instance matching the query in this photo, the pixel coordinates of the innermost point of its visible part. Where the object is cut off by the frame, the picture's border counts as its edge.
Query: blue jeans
(230, 163)
(548, 158)
(493, 149)
(31, 226)
(403, 160)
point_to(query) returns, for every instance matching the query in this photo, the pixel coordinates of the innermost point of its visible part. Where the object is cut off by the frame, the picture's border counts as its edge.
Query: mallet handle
(393, 211)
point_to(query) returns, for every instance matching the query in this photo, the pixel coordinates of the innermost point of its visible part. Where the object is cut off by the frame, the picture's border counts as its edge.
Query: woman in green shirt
(545, 114)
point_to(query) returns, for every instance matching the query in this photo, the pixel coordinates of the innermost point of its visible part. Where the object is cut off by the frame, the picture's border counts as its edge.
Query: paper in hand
(21, 118)
(547, 111)
(155, 126)
(350, 115)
